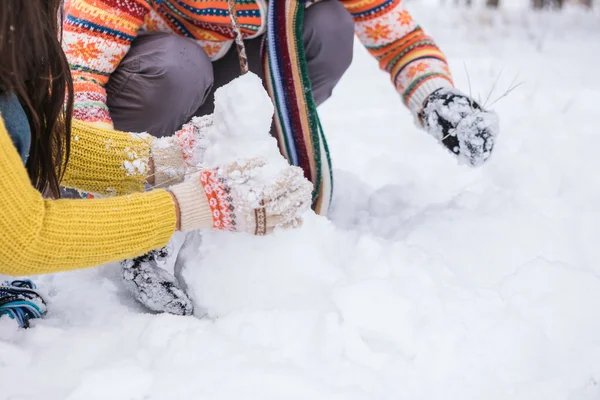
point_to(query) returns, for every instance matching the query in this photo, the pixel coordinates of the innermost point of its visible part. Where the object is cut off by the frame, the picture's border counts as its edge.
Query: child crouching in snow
(150, 65)
(41, 147)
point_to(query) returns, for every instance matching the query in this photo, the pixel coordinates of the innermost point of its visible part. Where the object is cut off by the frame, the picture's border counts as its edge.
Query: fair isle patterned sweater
(98, 34)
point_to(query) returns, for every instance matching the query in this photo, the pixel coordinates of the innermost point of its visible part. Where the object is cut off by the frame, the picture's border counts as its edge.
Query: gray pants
(164, 80)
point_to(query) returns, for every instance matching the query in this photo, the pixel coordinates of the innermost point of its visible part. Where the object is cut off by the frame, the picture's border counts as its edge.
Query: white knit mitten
(243, 197)
(176, 156)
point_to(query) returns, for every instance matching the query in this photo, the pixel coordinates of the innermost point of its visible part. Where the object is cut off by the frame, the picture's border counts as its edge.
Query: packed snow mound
(241, 124)
(240, 130)
(241, 127)
(243, 108)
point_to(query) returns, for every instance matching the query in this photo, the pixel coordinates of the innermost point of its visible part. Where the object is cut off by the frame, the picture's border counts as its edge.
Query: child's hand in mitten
(180, 154)
(240, 197)
(465, 128)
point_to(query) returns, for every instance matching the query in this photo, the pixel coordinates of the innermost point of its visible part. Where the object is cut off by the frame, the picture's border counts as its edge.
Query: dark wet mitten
(462, 125)
(154, 287)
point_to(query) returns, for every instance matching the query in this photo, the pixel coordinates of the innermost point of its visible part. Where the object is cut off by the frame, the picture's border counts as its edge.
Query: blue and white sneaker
(21, 302)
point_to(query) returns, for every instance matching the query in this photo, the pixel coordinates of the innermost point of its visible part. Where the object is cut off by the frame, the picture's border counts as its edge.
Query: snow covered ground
(433, 280)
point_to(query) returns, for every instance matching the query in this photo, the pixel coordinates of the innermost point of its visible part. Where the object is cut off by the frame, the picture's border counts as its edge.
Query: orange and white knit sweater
(98, 34)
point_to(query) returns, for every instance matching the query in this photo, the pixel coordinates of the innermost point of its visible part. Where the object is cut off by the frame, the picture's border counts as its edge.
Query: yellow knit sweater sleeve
(106, 162)
(43, 236)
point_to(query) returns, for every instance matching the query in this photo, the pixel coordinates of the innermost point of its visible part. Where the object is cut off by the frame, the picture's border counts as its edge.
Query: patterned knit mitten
(243, 197)
(180, 154)
(462, 125)
(154, 287)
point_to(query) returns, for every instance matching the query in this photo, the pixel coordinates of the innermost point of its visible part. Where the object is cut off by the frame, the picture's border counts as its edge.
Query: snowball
(241, 126)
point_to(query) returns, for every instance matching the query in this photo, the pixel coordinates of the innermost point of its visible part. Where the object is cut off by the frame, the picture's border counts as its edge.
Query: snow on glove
(154, 287)
(178, 155)
(243, 197)
(462, 125)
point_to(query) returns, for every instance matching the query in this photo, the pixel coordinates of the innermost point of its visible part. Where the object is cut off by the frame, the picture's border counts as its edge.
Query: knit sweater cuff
(415, 103)
(169, 167)
(195, 213)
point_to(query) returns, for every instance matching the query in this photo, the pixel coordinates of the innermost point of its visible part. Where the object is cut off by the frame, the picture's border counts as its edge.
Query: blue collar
(16, 123)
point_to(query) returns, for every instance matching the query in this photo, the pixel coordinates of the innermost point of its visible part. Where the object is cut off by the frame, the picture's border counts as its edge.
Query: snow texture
(431, 281)
(241, 124)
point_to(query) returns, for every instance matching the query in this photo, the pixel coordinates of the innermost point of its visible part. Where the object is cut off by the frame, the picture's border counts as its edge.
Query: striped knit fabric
(98, 34)
(416, 65)
(299, 132)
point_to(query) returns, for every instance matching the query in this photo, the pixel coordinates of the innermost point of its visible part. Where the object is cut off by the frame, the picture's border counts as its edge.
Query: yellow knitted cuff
(195, 213)
(169, 167)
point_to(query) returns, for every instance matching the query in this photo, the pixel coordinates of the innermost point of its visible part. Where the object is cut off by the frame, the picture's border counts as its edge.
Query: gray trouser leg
(166, 79)
(159, 85)
(328, 40)
(328, 35)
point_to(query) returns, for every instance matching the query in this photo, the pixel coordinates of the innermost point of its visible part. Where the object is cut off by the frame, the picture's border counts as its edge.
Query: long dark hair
(34, 68)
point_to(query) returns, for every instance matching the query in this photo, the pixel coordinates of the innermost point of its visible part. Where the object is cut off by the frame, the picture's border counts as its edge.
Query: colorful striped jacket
(98, 34)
